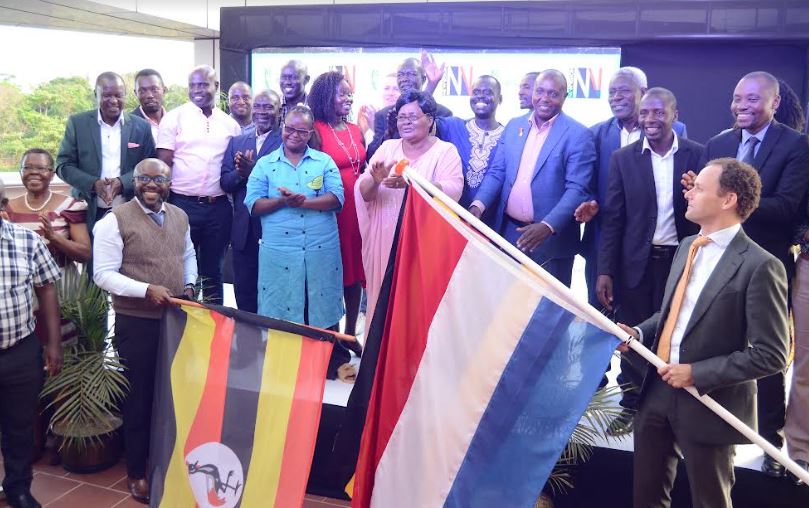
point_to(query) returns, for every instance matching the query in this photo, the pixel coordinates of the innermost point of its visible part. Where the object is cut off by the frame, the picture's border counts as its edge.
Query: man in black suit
(240, 158)
(410, 75)
(643, 222)
(150, 90)
(723, 324)
(781, 157)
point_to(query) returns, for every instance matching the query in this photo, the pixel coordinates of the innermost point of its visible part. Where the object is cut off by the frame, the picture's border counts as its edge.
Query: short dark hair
(321, 96)
(300, 109)
(38, 151)
(148, 72)
(108, 76)
(425, 101)
(664, 94)
(741, 179)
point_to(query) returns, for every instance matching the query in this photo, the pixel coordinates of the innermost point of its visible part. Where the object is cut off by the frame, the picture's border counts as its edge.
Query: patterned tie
(752, 141)
(664, 345)
(157, 217)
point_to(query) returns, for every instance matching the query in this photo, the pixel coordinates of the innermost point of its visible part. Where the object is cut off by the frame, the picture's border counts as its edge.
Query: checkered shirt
(24, 263)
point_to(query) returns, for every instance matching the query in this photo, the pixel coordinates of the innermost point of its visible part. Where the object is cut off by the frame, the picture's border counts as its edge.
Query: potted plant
(84, 396)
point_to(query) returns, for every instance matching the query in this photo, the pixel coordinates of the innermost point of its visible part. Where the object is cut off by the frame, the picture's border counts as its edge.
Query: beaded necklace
(355, 160)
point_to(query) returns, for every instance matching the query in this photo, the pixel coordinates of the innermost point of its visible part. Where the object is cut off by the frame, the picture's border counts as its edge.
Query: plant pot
(91, 453)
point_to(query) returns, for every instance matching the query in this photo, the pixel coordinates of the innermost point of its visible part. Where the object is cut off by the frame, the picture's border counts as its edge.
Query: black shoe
(22, 500)
(805, 466)
(622, 424)
(772, 467)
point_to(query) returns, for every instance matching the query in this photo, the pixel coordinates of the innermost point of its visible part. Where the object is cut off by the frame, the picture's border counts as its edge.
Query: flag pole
(601, 320)
(337, 335)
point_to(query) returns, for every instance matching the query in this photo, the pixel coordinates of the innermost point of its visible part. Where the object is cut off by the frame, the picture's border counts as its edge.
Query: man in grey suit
(722, 325)
(101, 148)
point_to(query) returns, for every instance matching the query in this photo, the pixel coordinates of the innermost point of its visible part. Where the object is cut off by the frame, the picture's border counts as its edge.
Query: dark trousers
(772, 408)
(636, 305)
(658, 447)
(245, 277)
(210, 232)
(21, 380)
(561, 268)
(136, 342)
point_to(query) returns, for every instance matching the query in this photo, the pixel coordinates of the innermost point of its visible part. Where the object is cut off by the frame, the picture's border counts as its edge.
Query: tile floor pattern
(56, 488)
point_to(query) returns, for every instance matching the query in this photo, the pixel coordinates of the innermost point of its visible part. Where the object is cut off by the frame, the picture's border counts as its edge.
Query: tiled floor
(54, 487)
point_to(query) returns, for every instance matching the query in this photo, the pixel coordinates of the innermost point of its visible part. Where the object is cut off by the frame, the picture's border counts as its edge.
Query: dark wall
(703, 75)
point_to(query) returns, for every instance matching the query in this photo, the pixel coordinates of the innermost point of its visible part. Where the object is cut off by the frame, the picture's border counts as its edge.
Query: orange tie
(664, 345)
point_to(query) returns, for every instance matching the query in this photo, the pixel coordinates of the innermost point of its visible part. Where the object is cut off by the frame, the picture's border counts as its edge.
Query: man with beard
(643, 221)
(540, 174)
(781, 157)
(101, 148)
(150, 90)
(143, 256)
(192, 141)
(526, 90)
(240, 103)
(240, 158)
(412, 74)
(294, 78)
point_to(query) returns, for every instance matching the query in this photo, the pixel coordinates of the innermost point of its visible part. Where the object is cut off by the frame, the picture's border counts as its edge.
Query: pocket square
(132, 145)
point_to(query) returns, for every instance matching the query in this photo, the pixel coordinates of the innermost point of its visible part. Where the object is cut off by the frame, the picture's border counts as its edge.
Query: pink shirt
(199, 143)
(520, 204)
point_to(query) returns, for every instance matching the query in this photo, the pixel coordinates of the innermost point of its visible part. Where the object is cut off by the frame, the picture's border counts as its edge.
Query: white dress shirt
(110, 154)
(629, 137)
(663, 171)
(704, 264)
(108, 254)
(260, 139)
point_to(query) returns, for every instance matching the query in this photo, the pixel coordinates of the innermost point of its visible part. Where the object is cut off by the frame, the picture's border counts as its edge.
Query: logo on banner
(585, 82)
(216, 475)
(459, 81)
(349, 72)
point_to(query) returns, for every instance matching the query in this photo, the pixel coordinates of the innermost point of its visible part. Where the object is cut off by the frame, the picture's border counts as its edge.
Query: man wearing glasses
(143, 256)
(192, 141)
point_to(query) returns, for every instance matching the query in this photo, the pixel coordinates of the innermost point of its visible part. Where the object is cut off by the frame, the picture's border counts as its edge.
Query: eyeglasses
(304, 133)
(159, 179)
(36, 169)
(409, 118)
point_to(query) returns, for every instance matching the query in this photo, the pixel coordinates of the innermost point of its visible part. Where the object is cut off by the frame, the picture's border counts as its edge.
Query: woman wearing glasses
(297, 192)
(379, 193)
(331, 99)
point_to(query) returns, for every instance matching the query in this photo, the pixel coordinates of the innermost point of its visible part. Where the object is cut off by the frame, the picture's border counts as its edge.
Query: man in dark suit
(410, 75)
(643, 221)
(150, 90)
(101, 148)
(540, 174)
(723, 324)
(240, 158)
(781, 157)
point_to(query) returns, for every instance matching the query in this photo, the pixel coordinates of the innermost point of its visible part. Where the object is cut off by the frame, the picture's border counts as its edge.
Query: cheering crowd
(309, 212)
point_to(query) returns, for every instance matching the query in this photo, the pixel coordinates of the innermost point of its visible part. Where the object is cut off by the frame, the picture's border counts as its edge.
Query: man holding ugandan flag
(143, 256)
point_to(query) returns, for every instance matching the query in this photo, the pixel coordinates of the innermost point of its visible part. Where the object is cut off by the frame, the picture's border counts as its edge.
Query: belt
(199, 199)
(663, 251)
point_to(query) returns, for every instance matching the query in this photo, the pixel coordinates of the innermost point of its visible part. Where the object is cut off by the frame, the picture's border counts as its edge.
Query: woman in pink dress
(330, 99)
(379, 193)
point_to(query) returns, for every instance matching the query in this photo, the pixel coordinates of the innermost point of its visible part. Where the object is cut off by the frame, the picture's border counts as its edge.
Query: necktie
(751, 150)
(664, 344)
(157, 217)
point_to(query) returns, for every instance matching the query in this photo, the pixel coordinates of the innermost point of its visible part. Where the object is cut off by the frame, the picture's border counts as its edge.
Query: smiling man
(192, 141)
(143, 256)
(526, 90)
(781, 157)
(101, 148)
(293, 81)
(240, 103)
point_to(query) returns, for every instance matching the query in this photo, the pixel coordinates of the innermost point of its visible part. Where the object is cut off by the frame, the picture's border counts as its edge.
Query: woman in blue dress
(476, 139)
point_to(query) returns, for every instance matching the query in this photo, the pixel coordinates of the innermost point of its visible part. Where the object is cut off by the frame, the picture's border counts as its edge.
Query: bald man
(781, 157)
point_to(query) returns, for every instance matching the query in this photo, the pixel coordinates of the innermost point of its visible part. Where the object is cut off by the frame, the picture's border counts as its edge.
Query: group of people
(309, 212)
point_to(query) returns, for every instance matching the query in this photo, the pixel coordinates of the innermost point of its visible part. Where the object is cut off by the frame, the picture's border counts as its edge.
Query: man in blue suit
(626, 88)
(541, 173)
(240, 158)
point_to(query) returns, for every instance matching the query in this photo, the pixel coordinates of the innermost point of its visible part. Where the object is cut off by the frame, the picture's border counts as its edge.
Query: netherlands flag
(483, 371)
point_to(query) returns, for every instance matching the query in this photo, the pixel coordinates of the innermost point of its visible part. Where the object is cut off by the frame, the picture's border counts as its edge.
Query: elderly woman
(379, 193)
(331, 99)
(297, 192)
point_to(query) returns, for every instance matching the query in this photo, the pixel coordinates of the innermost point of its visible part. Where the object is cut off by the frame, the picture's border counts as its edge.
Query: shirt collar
(118, 122)
(760, 134)
(674, 147)
(6, 232)
(146, 210)
(723, 237)
(548, 124)
(147, 116)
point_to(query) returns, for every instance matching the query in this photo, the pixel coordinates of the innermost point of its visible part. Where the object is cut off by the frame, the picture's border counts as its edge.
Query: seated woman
(58, 218)
(297, 192)
(379, 193)
(476, 139)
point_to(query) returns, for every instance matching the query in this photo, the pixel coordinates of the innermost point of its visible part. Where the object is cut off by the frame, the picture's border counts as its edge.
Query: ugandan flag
(236, 410)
